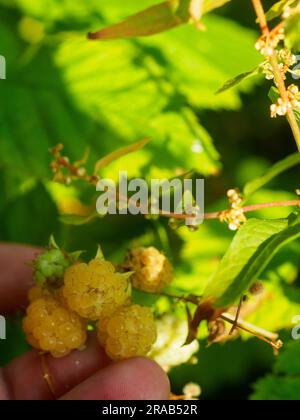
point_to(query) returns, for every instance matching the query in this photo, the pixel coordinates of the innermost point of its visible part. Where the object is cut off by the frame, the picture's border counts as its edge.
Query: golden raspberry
(130, 332)
(37, 292)
(51, 327)
(152, 269)
(95, 290)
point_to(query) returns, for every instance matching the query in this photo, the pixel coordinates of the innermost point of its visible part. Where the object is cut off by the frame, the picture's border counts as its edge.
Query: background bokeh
(61, 88)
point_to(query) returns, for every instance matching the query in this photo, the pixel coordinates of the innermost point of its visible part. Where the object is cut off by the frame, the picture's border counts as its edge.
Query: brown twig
(238, 312)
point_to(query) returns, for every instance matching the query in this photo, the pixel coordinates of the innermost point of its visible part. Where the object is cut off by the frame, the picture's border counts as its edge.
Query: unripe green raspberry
(130, 332)
(49, 267)
(152, 271)
(95, 290)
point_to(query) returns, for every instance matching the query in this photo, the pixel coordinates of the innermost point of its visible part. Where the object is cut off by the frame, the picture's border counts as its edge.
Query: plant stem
(259, 10)
(260, 333)
(284, 95)
(257, 332)
(260, 13)
(246, 209)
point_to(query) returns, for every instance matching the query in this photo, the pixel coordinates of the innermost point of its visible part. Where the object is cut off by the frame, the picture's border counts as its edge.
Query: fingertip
(158, 384)
(16, 277)
(132, 379)
(26, 375)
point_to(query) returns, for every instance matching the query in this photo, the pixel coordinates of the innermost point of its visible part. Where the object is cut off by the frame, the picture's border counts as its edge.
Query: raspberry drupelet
(130, 332)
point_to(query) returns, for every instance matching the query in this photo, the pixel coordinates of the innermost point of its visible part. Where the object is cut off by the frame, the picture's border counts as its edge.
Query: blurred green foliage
(284, 383)
(61, 88)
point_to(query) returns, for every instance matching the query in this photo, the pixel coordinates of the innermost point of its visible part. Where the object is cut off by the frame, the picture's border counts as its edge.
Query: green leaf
(278, 8)
(297, 114)
(250, 252)
(30, 217)
(273, 94)
(292, 29)
(289, 361)
(209, 5)
(292, 24)
(284, 383)
(67, 90)
(237, 80)
(276, 306)
(274, 171)
(275, 388)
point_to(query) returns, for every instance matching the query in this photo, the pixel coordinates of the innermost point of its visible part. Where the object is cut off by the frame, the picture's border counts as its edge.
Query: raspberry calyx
(49, 267)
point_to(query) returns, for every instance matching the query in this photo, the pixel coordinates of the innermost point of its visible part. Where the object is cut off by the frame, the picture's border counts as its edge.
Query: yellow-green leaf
(251, 251)
(209, 5)
(237, 80)
(274, 171)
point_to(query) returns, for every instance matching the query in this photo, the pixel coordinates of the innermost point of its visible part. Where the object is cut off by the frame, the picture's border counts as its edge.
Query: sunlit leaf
(209, 5)
(284, 383)
(274, 308)
(292, 29)
(273, 172)
(237, 80)
(248, 256)
(91, 107)
(278, 8)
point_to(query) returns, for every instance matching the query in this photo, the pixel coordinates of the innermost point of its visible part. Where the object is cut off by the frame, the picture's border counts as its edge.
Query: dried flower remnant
(291, 11)
(291, 103)
(192, 391)
(235, 216)
(267, 44)
(285, 61)
(65, 172)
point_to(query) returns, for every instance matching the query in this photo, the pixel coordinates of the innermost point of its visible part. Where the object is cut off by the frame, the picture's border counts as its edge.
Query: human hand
(86, 375)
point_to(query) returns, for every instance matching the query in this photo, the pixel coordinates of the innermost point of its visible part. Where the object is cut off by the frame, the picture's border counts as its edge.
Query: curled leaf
(153, 20)
(273, 172)
(102, 163)
(76, 220)
(158, 18)
(237, 80)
